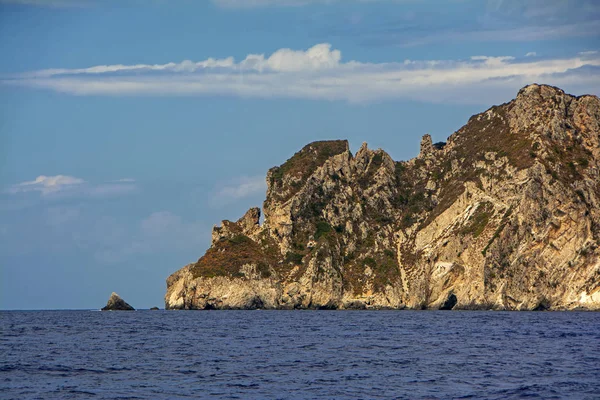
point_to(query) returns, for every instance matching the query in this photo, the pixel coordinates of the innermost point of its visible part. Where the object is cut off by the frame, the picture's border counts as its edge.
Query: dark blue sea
(299, 355)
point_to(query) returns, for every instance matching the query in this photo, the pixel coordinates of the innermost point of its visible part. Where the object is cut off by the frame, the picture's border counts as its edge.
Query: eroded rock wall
(505, 215)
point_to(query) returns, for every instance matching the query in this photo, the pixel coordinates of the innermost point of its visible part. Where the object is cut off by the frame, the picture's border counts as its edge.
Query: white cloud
(320, 73)
(317, 57)
(184, 66)
(242, 188)
(588, 53)
(67, 186)
(47, 184)
(531, 54)
(492, 61)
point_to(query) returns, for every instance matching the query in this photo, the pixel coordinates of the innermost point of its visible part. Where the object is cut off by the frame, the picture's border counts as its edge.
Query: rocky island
(116, 303)
(505, 215)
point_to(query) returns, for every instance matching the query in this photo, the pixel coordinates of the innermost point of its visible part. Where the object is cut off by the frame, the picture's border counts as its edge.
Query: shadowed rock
(449, 303)
(116, 303)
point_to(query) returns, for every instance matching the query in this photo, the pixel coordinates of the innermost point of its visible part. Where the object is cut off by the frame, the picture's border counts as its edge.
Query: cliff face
(505, 215)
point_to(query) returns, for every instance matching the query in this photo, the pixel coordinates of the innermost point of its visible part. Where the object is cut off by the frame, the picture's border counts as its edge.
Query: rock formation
(505, 215)
(116, 303)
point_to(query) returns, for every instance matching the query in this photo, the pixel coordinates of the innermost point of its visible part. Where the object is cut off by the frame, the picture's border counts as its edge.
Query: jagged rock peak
(543, 91)
(116, 303)
(247, 225)
(313, 155)
(284, 181)
(426, 147)
(251, 220)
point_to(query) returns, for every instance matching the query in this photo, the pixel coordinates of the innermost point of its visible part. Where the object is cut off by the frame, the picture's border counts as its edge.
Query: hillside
(504, 215)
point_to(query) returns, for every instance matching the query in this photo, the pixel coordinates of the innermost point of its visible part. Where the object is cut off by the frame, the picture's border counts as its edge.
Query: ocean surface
(299, 355)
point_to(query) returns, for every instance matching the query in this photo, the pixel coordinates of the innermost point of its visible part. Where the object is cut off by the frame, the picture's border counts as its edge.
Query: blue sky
(128, 128)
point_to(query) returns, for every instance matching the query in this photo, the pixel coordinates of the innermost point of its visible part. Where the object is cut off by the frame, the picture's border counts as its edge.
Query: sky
(129, 128)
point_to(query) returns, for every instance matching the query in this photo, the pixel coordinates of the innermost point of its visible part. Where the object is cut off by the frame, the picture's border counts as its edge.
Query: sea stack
(116, 303)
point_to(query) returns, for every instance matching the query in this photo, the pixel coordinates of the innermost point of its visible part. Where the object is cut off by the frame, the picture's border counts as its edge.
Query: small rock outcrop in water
(116, 303)
(154, 309)
(504, 215)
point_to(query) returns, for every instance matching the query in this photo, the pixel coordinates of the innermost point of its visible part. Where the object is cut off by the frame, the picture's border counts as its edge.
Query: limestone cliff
(505, 215)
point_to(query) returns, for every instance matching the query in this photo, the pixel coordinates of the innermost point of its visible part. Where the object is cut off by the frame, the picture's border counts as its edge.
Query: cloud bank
(319, 73)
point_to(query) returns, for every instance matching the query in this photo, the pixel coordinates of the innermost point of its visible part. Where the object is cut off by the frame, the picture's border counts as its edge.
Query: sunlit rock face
(504, 215)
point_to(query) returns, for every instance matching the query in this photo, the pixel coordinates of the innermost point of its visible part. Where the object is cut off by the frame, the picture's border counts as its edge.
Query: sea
(299, 355)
